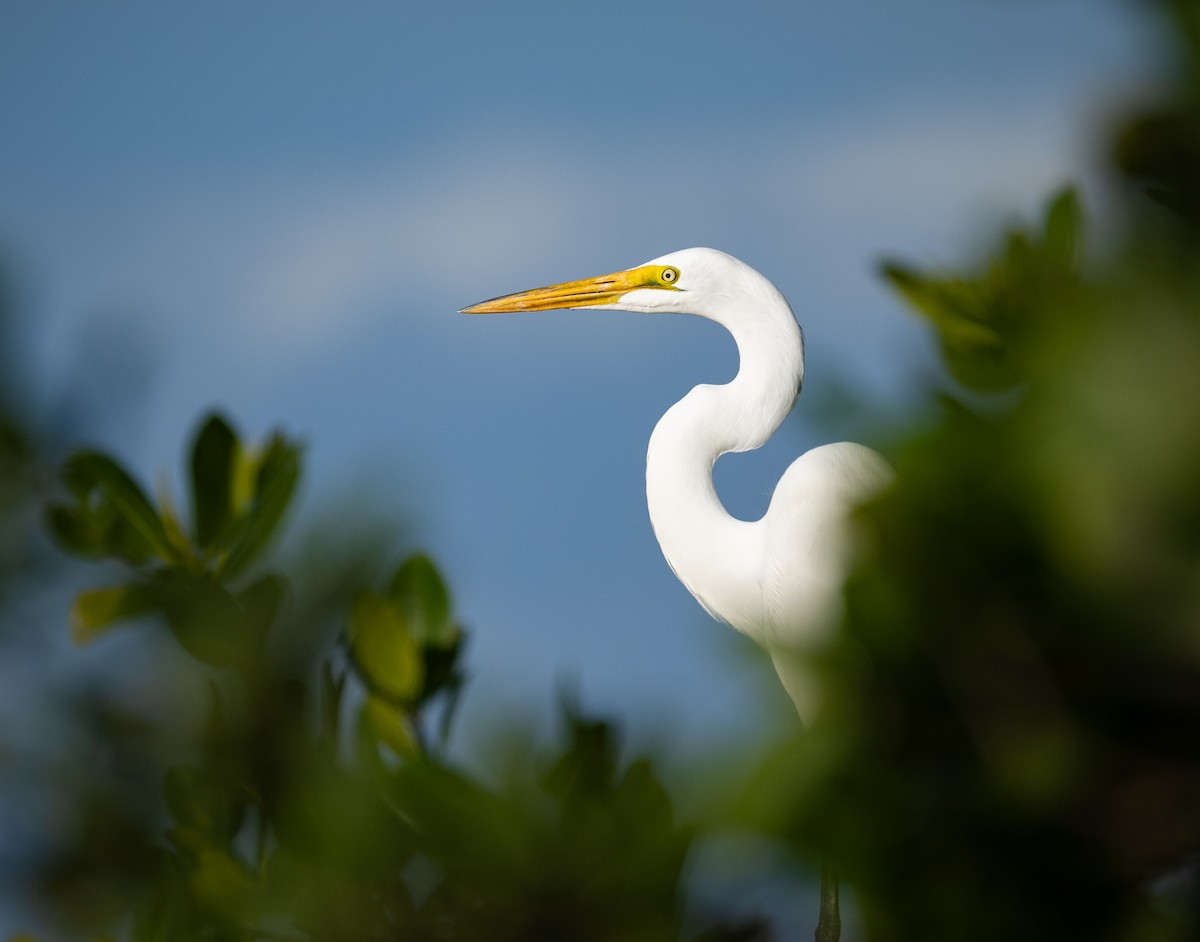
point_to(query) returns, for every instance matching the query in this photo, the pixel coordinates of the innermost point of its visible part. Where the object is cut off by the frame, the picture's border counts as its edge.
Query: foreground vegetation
(1010, 748)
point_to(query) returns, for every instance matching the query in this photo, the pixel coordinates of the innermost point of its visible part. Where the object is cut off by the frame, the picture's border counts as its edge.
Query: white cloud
(353, 245)
(283, 267)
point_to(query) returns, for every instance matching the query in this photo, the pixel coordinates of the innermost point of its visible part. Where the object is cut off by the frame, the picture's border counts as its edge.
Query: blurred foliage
(1012, 746)
(987, 321)
(1158, 148)
(238, 499)
(310, 803)
(21, 470)
(1009, 749)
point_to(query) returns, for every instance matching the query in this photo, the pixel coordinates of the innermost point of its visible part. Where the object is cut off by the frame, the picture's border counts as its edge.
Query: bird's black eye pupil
(669, 275)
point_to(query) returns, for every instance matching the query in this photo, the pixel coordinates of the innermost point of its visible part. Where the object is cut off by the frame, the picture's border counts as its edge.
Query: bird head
(680, 282)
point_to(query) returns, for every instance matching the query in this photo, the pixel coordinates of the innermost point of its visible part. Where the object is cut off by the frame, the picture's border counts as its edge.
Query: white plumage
(778, 579)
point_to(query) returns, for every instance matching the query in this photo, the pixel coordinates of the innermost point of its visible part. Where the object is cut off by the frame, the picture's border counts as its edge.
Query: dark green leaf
(77, 531)
(223, 882)
(131, 527)
(260, 603)
(206, 811)
(441, 666)
(952, 304)
(964, 314)
(208, 620)
(331, 702)
(278, 472)
(418, 587)
(214, 456)
(162, 915)
(460, 822)
(1064, 228)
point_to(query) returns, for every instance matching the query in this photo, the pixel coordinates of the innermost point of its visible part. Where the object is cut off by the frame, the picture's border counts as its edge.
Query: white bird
(778, 579)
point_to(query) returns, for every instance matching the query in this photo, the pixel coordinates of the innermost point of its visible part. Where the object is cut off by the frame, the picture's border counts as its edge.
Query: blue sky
(276, 208)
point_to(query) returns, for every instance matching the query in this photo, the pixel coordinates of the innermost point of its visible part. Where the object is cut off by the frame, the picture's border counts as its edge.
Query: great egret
(777, 579)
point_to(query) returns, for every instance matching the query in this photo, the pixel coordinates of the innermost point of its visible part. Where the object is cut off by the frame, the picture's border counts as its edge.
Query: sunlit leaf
(95, 611)
(391, 727)
(245, 476)
(384, 650)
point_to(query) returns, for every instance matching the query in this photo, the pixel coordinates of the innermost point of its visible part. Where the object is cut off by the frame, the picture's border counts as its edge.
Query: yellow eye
(669, 276)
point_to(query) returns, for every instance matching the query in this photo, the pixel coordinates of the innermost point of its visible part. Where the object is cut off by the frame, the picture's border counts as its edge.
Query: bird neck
(719, 558)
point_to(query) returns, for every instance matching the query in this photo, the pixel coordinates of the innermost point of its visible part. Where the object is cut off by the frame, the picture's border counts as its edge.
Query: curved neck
(718, 557)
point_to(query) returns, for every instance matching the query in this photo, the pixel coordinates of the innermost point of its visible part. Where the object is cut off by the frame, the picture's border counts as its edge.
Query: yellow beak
(587, 293)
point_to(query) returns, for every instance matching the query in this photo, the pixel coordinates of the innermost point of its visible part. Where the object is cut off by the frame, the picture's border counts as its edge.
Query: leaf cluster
(315, 806)
(986, 320)
(187, 576)
(407, 649)
(1010, 747)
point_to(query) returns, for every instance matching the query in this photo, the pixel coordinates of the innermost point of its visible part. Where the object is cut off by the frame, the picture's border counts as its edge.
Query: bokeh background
(276, 210)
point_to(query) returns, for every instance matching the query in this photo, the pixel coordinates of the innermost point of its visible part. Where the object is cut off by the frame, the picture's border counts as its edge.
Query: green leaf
(422, 594)
(278, 472)
(76, 532)
(206, 812)
(214, 456)
(441, 667)
(97, 610)
(260, 603)
(207, 620)
(367, 759)
(384, 650)
(223, 883)
(163, 912)
(122, 522)
(391, 727)
(964, 314)
(1064, 228)
(952, 304)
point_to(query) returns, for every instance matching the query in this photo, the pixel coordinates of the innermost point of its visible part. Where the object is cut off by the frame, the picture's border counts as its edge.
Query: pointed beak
(591, 292)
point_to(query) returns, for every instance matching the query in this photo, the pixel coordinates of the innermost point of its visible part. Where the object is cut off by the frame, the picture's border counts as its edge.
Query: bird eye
(669, 275)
